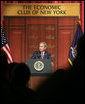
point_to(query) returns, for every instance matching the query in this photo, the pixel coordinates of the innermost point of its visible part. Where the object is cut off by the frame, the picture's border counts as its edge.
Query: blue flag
(73, 52)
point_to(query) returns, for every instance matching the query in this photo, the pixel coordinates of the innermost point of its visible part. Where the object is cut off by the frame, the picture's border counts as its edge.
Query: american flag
(5, 47)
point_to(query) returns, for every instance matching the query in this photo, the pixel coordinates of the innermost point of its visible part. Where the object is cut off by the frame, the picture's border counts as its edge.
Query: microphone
(38, 55)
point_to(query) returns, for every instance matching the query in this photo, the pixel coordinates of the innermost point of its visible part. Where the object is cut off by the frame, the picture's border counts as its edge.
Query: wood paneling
(64, 41)
(24, 34)
(58, 32)
(16, 44)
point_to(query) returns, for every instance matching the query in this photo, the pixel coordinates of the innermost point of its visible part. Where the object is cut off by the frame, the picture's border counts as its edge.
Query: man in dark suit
(42, 53)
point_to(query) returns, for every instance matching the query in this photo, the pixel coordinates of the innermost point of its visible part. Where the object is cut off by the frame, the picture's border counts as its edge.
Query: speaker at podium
(39, 67)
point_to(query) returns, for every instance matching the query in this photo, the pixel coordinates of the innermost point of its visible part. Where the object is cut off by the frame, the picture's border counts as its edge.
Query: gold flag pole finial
(79, 22)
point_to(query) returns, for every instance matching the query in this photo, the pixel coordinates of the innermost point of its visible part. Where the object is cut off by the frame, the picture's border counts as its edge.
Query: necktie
(42, 55)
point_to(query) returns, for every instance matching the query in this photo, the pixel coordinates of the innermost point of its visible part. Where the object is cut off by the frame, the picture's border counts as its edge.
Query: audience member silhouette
(4, 64)
(4, 74)
(20, 92)
(66, 86)
(14, 82)
(11, 67)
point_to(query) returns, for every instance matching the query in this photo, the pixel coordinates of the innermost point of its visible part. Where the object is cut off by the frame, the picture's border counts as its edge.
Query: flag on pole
(73, 52)
(5, 47)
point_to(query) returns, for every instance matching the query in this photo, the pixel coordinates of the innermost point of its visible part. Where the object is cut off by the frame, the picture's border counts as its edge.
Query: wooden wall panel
(64, 42)
(56, 31)
(15, 40)
(18, 21)
(66, 21)
(41, 20)
(15, 33)
(25, 33)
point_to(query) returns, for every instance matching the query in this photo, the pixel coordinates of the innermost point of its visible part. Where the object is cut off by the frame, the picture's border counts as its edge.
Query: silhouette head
(4, 64)
(20, 74)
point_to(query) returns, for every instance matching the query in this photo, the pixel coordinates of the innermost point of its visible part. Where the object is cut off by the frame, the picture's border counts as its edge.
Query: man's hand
(52, 64)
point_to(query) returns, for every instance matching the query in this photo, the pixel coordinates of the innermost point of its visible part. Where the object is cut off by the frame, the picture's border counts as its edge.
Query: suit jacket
(37, 55)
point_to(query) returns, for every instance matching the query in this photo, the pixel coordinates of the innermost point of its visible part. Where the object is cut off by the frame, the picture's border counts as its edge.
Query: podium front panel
(39, 66)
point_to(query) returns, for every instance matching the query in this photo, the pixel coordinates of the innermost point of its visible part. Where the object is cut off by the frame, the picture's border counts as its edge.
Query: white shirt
(43, 53)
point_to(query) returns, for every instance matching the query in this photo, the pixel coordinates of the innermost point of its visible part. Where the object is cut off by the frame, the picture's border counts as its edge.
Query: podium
(39, 67)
